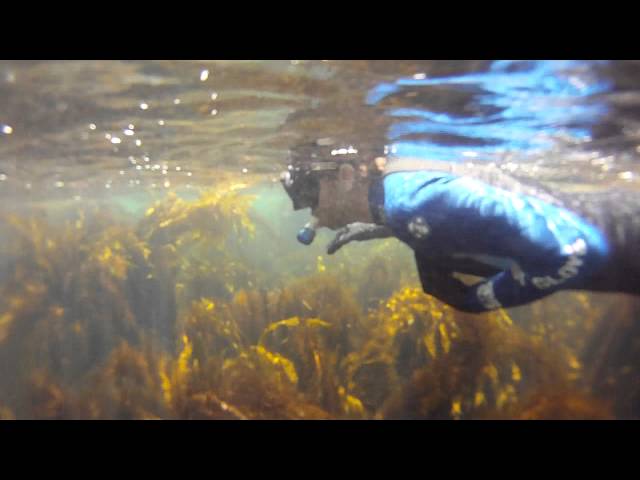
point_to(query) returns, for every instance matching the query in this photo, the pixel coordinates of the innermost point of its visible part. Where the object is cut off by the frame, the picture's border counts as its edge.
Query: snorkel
(308, 232)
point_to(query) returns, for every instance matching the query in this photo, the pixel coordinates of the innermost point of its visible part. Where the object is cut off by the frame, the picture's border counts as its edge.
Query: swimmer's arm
(357, 231)
(438, 281)
(505, 289)
(499, 291)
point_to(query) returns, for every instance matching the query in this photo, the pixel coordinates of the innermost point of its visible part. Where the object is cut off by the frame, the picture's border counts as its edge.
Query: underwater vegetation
(167, 318)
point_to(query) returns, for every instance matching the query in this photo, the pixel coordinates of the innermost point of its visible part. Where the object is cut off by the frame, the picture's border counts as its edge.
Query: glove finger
(341, 238)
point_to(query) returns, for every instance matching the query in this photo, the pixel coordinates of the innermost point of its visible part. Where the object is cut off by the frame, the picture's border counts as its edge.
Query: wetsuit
(526, 242)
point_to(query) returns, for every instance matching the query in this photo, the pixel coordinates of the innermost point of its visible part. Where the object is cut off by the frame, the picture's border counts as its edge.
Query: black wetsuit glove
(357, 231)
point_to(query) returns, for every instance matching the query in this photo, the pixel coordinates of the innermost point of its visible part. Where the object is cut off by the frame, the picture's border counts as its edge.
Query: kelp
(209, 219)
(447, 364)
(198, 242)
(612, 358)
(255, 384)
(558, 405)
(381, 282)
(127, 386)
(308, 342)
(6, 414)
(324, 297)
(66, 304)
(78, 286)
(263, 385)
(168, 318)
(47, 400)
(222, 338)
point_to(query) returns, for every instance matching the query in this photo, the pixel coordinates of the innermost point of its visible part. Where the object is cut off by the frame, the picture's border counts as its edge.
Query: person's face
(343, 199)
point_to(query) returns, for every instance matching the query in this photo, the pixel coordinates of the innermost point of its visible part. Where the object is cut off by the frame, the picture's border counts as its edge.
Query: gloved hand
(357, 231)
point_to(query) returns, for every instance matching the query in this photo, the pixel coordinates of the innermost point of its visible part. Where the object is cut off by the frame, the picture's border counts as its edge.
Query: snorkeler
(524, 242)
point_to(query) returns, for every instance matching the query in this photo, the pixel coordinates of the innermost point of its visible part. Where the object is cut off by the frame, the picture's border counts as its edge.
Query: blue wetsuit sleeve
(502, 290)
(567, 268)
(507, 288)
(439, 281)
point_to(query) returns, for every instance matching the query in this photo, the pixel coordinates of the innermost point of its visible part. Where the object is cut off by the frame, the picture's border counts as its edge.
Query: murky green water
(149, 266)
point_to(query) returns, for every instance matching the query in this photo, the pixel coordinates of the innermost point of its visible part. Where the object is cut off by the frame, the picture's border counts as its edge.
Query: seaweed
(65, 299)
(263, 385)
(447, 364)
(46, 399)
(612, 358)
(127, 386)
(560, 405)
(167, 317)
(6, 413)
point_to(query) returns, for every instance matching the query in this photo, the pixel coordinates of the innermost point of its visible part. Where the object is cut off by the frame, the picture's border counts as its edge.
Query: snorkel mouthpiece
(307, 233)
